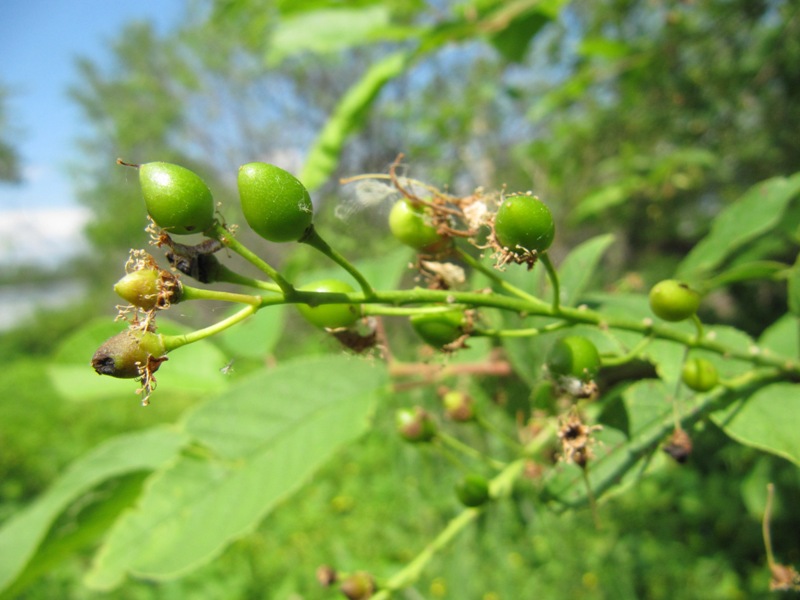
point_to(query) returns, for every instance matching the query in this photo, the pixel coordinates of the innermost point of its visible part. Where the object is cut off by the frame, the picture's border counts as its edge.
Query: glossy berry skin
(330, 316)
(439, 329)
(473, 490)
(275, 204)
(673, 300)
(176, 198)
(524, 222)
(411, 226)
(575, 356)
(700, 375)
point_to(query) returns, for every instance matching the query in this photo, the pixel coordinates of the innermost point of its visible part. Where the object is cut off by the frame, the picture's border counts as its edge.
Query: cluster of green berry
(518, 228)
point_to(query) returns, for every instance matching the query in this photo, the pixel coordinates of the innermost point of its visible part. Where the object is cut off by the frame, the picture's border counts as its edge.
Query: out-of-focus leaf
(757, 212)
(258, 443)
(605, 198)
(334, 29)
(257, 335)
(577, 269)
(782, 337)
(761, 269)
(145, 450)
(768, 420)
(191, 369)
(349, 116)
(793, 288)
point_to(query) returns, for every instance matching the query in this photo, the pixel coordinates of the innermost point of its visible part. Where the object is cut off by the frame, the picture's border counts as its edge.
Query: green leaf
(793, 288)
(756, 213)
(605, 198)
(768, 420)
(20, 536)
(760, 269)
(329, 30)
(782, 337)
(348, 117)
(256, 336)
(257, 444)
(192, 369)
(577, 269)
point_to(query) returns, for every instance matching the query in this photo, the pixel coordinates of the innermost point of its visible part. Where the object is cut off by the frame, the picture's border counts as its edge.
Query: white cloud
(41, 236)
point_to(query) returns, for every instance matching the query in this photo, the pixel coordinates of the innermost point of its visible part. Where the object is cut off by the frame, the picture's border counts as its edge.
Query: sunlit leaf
(754, 214)
(768, 420)
(257, 444)
(139, 451)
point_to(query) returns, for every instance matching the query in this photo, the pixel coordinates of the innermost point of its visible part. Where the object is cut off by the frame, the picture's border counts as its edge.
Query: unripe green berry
(574, 356)
(148, 288)
(330, 316)
(125, 354)
(276, 205)
(473, 490)
(458, 406)
(524, 222)
(177, 199)
(358, 586)
(411, 225)
(700, 375)
(673, 300)
(415, 425)
(439, 329)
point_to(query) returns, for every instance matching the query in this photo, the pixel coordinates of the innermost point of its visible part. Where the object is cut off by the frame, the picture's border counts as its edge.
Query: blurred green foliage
(641, 119)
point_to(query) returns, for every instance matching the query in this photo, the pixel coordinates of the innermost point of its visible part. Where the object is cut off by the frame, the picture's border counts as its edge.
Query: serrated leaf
(768, 420)
(757, 212)
(265, 437)
(192, 369)
(145, 450)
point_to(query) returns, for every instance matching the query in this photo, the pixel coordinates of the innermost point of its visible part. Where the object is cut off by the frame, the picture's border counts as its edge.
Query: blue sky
(39, 41)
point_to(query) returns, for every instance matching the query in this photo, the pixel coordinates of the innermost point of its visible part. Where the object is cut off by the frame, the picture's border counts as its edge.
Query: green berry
(458, 406)
(176, 198)
(700, 375)
(473, 490)
(330, 316)
(575, 356)
(149, 288)
(411, 225)
(673, 300)
(524, 222)
(358, 586)
(124, 354)
(415, 425)
(439, 329)
(276, 205)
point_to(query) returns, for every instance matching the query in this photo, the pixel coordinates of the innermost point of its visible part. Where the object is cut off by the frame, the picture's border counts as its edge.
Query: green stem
(218, 232)
(614, 361)
(529, 332)
(225, 275)
(493, 276)
(193, 293)
(403, 311)
(500, 486)
(176, 341)
(553, 275)
(461, 447)
(313, 239)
